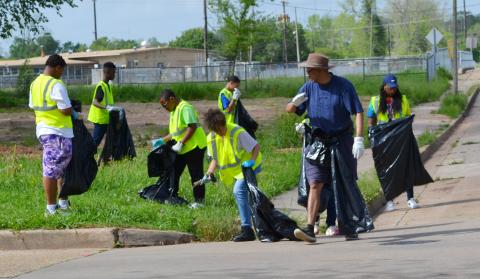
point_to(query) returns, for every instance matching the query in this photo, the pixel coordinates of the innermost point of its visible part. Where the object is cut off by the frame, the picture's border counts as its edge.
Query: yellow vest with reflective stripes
(98, 115)
(177, 129)
(229, 116)
(382, 117)
(229, 155)
(45, 108)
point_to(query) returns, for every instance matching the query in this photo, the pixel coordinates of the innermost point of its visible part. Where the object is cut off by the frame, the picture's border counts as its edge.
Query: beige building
(82, 66)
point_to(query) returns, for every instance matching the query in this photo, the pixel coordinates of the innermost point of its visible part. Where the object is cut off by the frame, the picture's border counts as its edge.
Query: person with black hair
(228, 98)
(54, 129)
(390, 105)
(102, 103)
(191, 142)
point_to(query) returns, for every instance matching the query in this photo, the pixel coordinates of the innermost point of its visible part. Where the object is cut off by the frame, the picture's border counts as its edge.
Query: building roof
(82, 58)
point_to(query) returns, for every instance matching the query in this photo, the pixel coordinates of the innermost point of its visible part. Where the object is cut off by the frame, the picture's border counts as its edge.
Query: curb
(375, 205)
(89, 238)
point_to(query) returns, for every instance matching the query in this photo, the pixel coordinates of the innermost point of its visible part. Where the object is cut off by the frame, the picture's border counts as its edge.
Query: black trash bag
(352, 212)
(397, 158)
(161, 163)
(303, 186)
(118, 141)
(82, 169)
(269, 222)
(243, 119)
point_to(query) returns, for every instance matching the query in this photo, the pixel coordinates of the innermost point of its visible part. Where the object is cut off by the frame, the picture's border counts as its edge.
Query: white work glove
(299, 99)
(300, 128)
(177, 147)
(236, 94)
(358, 147)
(109, 108)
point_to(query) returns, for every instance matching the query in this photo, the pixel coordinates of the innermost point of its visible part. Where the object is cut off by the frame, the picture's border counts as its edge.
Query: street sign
(471, 43)
(434, 37)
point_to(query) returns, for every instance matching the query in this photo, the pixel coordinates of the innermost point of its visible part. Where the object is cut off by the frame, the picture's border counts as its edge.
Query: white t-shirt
(59, 94)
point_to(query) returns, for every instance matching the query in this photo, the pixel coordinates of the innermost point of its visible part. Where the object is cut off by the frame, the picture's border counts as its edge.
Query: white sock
(51, 208)
(63, 203)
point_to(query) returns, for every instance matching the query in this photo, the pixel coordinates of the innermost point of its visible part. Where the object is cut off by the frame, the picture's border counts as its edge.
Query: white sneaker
(196, 205)
(332, 231)
(390, 206)
(316, 228)
(412, 203)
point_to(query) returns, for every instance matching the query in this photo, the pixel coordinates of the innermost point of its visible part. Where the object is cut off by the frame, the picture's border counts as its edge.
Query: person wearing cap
(390, 105)
(102, 102)
(329, 101)
(228, 98)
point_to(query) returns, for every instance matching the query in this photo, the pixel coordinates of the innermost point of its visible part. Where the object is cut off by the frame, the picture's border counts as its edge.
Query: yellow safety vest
(228, 154)
(98, 115)
(382, 117)
(177, 129)
(45, 108)
(229, 116)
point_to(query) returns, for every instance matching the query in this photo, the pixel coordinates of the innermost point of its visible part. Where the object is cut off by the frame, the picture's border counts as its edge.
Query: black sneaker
(352, 236)
(306, 234)
(246, 234)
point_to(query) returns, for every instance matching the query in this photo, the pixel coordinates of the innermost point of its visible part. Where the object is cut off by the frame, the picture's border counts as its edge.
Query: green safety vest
(228, 154)
(382, 117)
(229, 116)
(98, 115)
(45, 108)
(178, 130)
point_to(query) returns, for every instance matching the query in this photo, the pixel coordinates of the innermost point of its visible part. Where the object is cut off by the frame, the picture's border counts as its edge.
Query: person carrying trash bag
(327, 201)
(229, 103)
(102, 103)
(390, 105)
(330, 101)
(232, 148)
(190, 143)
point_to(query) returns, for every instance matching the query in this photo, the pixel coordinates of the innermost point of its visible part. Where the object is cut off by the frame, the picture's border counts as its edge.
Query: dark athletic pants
(194, 161)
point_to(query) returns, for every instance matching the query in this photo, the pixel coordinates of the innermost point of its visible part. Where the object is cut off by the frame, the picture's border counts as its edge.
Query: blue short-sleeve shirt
(330, 107)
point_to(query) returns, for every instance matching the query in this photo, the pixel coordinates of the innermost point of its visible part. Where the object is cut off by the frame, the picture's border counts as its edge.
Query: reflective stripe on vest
(177, 132)
(45, 107)
(229, 116)
(99, 115)
(215, 154)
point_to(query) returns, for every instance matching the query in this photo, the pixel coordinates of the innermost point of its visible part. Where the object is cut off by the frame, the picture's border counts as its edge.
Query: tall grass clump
(453, 105)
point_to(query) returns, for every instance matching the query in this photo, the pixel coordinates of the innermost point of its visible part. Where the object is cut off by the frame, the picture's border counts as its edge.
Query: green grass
(369, 185)
(426, 138)
(453, 105)
(413, 85)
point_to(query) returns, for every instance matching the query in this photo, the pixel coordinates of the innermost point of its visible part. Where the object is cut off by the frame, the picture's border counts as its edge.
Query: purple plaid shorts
(57, 153)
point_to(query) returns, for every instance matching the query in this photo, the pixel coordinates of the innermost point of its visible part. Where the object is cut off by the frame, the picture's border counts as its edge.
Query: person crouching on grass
(231, 148)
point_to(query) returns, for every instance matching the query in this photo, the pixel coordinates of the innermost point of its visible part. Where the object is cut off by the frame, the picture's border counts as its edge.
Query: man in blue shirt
(329, 101)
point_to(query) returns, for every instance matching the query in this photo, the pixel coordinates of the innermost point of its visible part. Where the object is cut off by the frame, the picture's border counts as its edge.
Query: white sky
(163, 19)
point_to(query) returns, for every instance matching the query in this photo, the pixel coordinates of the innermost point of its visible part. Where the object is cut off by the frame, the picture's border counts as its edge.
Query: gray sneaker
(305, 235)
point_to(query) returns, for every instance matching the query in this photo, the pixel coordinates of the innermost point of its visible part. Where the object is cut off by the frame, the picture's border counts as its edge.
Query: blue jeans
(99, 131)
(240, 192)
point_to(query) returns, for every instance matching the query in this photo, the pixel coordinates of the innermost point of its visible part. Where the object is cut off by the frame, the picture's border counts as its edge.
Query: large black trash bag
(118, 141)
(352, 212)
(161, 162)
(82, 169)
(243, 119)
(303, 186)
(397, 158)
(269, 222)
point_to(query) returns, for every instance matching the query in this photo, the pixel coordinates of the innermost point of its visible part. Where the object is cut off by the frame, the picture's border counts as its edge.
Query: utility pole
(95, 19)
(205, 36)
(296, 36)
(464, 23)
(285, 56)
(455, 62)
(371, 27)
(389, 42)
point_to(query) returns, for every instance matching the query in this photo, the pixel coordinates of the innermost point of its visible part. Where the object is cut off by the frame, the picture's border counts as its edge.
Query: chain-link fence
(245, 71)
(441, 59)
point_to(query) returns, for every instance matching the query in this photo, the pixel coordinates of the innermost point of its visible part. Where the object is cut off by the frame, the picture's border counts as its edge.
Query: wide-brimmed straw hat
(316, 60)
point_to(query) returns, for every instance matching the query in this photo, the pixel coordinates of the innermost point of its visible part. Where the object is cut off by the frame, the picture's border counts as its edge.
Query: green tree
(70, 46)
(102, 43)
(27, 14)
(371, 38)
(153, 42)
(193, 38)
(24, 48)
(24, 79)
(237, 24)
(50, 45)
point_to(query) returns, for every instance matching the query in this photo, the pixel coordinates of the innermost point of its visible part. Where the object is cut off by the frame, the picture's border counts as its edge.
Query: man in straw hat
(329, 102)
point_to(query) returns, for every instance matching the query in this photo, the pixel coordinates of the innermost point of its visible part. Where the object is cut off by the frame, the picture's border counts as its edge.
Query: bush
(453, 105)
(25, 78)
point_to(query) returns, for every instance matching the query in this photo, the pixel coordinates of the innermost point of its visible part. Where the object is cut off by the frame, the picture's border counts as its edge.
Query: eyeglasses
(164, 105)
